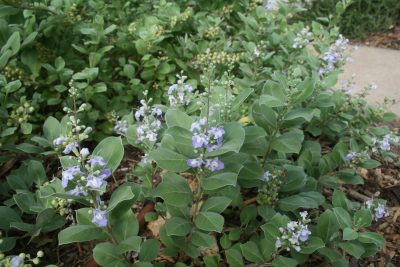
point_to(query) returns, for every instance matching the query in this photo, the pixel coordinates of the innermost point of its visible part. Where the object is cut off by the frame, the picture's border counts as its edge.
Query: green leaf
(362, 218)
(281, 261)
(51, 129)
(26, 128)
(219, 180)
(209, 221)
(289, 142)
(175, 117)
(343, 217)
(7, 244)
(176, 226)
(123, 225)
(8, 131)
(234, 258)
(241, 98)
(349, 234)
(233, 139)
(313, 244)
(271, 101)
(130, 244)
(169, 160)
(216, 204)
(182, 141)
(80, 233)
(37, 171)
(339, 199)
(353, 248)
(305, 200)
(372, 238)
(263, 116)
(108, 255)
(295, 179)
(8, 215)
(202, 240)
(306, 89)
(112, 151)
(251, 252)
(123, 197)
(370, 164)
(327, 225)
(174, 190)
(149, 250)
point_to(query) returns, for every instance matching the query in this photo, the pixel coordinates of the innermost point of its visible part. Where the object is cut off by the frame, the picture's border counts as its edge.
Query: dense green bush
(244, 143)
(361, 18)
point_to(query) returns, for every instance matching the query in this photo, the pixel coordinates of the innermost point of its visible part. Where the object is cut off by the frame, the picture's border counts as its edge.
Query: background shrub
(362, 17)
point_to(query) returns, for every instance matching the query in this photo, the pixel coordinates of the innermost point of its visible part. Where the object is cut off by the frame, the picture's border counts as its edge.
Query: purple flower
(16, 261)
(95, 182)
(304, 233)
(152, 136)
(68, 148)
(84, 152)
(121, 127)
(211, 148)
(217, 133)
(195, 163)
(172, 88)
(99, 217)
(381, 212)
(214, 164)
(385, 143)
(69, 174)
(105, 173)
(140, 112)
(350, 156)
(199, 140)
(97, 160)
(59, 140)
(266, 176)
(156, 111)
(77, 191)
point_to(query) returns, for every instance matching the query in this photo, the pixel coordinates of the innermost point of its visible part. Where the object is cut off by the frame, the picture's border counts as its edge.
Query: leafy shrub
(244, 153)
(362, 17)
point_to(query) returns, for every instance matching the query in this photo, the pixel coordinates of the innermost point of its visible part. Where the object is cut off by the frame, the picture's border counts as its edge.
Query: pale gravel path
(378, 65)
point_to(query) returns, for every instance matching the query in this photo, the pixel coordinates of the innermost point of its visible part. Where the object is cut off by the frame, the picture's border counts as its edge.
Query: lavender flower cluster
(121, 127)
(384, 144)
(378, 209)
(206, 140)
(294, 234)
(88, 179)
(337, 53)
(180, 93)
(150, 124)
(303, 38)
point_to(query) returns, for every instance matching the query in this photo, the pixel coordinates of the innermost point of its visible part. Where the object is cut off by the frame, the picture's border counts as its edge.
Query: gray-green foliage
(287, 136)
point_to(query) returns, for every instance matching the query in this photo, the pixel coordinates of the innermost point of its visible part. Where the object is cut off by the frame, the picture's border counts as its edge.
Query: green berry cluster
(227, 9)
(73, 16)
(222, 58)
(20, 115)
(60, 205)
(14, 73)
(183, 17)
(44, 54)
(255, 3)
(158, 30)
(269, 191)
(21, 259)
(212, 32)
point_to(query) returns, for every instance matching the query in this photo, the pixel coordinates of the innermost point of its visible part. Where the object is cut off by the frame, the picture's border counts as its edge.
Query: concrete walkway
(380, 66)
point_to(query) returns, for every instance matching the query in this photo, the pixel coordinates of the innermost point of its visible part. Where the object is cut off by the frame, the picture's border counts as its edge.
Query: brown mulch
(389, 39)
